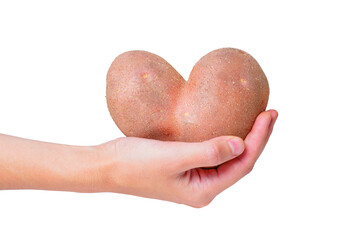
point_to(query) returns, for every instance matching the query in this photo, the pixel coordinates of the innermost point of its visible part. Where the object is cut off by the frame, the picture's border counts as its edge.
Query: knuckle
(249, 168)
(201, 200)
(213, 153)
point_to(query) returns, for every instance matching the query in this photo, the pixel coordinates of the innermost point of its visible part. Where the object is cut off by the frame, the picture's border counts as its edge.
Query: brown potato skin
(148, 98)
(141, 93)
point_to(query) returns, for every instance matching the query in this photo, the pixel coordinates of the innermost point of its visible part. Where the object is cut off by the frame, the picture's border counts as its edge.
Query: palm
(230, 172)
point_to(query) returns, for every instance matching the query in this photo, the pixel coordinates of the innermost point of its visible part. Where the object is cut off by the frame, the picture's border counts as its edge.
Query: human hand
(187, 173)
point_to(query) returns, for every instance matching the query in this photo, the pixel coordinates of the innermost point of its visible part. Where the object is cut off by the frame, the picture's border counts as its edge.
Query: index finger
(233, 170)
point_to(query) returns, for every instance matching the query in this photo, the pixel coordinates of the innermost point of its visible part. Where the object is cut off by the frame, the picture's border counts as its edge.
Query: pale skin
(186, 173)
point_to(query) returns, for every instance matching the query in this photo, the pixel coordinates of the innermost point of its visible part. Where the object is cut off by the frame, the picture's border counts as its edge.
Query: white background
(53, 62)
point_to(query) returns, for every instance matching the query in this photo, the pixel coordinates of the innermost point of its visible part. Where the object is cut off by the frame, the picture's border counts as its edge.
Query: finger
(209, 153)
(256, 139)
(274, 115)
(178, 157)
(231, 171)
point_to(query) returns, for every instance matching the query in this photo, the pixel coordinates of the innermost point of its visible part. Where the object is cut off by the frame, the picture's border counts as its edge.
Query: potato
(148, 98)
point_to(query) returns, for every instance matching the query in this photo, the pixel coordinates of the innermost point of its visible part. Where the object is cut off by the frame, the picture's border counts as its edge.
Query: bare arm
(186, 173)
(29, 164)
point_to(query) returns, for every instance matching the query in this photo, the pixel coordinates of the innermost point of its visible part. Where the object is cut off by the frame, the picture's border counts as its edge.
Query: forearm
(29, 164)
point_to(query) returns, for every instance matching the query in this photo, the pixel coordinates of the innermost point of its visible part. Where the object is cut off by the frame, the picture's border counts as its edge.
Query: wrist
(103, 164)
(87, 173)
(111, 172)
(94, 172)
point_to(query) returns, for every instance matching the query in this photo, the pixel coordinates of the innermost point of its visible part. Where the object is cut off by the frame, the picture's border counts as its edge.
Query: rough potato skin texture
(148, 98)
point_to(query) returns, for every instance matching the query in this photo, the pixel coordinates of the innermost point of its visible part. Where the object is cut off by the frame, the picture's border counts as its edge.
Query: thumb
(209, 153)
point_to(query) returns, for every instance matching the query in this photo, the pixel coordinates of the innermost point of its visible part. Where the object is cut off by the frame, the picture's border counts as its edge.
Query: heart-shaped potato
(148, 98)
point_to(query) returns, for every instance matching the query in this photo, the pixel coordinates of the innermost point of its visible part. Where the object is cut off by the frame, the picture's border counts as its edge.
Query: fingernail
(236, 145)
